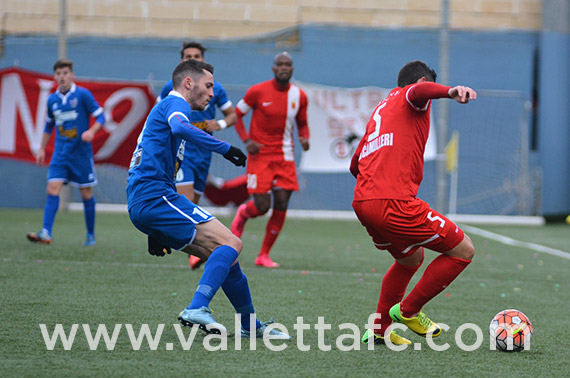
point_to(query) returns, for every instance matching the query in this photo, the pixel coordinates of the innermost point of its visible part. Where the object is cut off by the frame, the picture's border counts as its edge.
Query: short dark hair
(195, 45)
(61, 63)
(413, 71)
(192, 68)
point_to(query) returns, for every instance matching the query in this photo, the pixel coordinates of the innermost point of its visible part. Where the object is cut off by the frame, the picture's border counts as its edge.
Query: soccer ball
(511, 330)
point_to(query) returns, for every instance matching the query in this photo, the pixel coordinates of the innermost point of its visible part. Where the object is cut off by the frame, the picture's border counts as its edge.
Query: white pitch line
(517, 243)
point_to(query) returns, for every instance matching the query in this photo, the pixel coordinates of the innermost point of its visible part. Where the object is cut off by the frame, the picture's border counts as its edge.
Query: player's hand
(252, 147)
(304, 143)
(41, 157)
(236, 156)
(212, 125)
(157, 249)
(87, 136)
(462, 94)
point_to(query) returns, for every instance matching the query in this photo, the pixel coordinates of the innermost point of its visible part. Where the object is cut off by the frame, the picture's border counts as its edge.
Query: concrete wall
(238, 18)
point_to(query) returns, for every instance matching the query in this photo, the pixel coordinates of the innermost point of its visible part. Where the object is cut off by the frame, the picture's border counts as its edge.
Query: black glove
(157, 249)
(236, 156)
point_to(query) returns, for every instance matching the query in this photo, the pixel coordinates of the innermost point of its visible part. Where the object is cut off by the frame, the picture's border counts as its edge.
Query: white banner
(337, 120)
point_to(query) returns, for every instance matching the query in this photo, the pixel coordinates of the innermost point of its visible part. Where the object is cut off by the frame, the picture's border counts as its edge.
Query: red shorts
(264, 174)
(401, 227)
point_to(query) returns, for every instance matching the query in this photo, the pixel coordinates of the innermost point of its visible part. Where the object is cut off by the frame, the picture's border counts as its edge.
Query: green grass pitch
(329, 269)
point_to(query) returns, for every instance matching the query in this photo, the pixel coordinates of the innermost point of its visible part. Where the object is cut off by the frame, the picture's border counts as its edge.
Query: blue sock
(89, 212)
(215, 273)
(50, 210)
(236, 289)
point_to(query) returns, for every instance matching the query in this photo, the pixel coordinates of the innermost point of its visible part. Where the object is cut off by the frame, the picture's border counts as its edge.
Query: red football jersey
(275, 111)
(389, 159)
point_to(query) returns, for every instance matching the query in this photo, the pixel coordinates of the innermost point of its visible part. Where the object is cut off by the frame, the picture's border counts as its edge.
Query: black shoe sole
(186, 323)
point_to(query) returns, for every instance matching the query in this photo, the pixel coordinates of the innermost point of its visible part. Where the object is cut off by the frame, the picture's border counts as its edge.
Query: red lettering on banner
(23, 101)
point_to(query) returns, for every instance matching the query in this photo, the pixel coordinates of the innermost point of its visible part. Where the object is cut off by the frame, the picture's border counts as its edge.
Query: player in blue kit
(172, 221)
(193, 173)
(68, 110)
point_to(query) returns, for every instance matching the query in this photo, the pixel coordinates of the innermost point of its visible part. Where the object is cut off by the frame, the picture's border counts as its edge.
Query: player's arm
(97, 113)
(354, 162)
(40, 158)
(182, 128)
(228, 120)
(242, 108)
(302, 125)
(48, 128)
(462, 94)
(227, 108)
(419, 94)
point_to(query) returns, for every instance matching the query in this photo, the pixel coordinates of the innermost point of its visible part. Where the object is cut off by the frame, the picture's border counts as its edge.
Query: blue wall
(330, 55)
(554, 111)
(340, 56)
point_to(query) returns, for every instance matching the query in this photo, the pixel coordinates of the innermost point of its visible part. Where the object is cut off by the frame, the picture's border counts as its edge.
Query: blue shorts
(194, 170)
(170, 219)
(77, 171)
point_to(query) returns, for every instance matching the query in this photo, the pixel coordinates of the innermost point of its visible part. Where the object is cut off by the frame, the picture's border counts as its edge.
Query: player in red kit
(277, 106)
(388, 166)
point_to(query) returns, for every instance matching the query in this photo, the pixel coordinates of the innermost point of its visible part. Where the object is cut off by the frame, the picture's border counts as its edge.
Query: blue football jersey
(69, 114)
(198, 118)
(160, 148)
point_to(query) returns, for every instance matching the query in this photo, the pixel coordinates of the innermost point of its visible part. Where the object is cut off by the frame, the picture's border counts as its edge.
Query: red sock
(251, 210)
(393, 289)
(438, 275)
(272, 231)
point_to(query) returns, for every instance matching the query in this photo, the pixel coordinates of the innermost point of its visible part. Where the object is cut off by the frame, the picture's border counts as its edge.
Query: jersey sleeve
(222, 100)
(354, 161)
(182, 128)
(242, 108)
(50, 121)
(165, 90)
(418, 95)
(301, 118)
(93, 107)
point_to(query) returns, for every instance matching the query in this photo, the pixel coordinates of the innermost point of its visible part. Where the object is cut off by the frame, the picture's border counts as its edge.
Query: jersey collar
(279, 87)
(177, 94)
(65, 96)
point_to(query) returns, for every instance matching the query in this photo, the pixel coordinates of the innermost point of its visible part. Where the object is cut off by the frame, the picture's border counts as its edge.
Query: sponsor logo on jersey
(201, 125)
(266, 103)
(376, 144)
(67, 133)
(61, 116)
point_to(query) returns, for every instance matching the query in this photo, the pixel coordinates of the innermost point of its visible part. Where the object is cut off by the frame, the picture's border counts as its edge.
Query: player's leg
(258, 205)
(187, 190)
(456, 253)
(192, 189)
(89, 213)
(372, 216)
(221, 192)
(53, 190)
(260, 179)
(274, 225)
(394, 284)
(438, 275)
(214, 236)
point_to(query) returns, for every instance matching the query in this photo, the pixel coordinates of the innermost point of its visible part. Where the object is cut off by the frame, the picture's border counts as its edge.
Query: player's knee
(463, 250)
(263, 208)
(235, 242)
